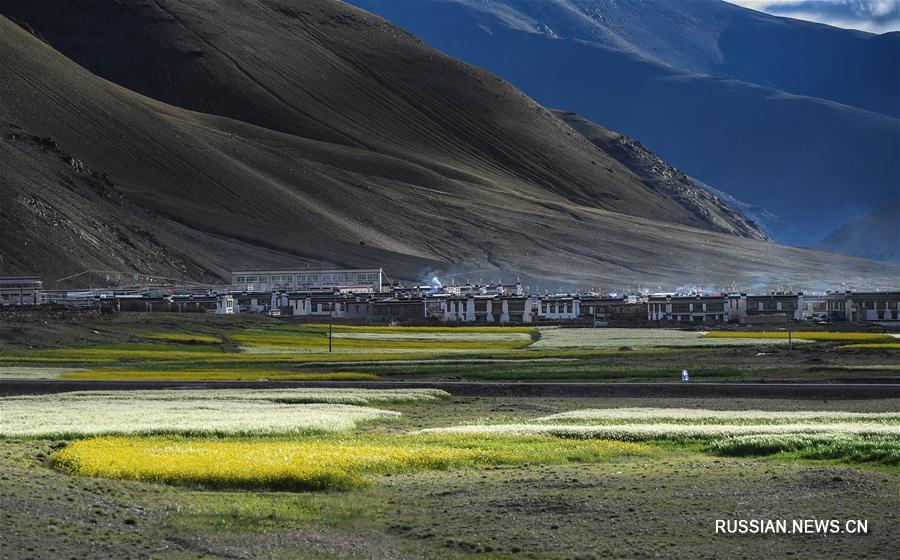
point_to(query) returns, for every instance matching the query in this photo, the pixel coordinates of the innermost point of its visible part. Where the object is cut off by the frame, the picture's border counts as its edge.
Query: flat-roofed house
(687, 309)
(21, 290)
(765, 308)
(602, 310)
(873, 307)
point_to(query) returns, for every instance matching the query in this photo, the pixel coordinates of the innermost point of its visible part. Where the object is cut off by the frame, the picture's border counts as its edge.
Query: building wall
(22, 291)
(371, 280)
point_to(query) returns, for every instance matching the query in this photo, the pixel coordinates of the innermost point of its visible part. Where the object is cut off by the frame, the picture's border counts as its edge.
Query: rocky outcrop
(710, 210)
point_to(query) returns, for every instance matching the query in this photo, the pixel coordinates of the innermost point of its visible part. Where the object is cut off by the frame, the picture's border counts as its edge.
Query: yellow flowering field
(184, 337)
(214, 374)
(816, 336)
(873, 346)
(313, 464)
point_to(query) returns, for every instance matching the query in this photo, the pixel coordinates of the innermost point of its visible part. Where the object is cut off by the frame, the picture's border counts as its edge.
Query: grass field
(387, 339)
(842, 448)
(669, 431)
(703, 416)
(184, 338)
(801, 335)
(26, 372)
(237, 374)
(213, 412)
(556, 338)
(872, 346)
(204, 347)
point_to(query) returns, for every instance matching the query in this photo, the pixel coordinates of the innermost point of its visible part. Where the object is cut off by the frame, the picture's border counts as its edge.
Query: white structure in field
(305, 280)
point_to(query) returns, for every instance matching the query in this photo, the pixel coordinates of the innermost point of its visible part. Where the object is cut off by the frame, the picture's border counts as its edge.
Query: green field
(207, 347)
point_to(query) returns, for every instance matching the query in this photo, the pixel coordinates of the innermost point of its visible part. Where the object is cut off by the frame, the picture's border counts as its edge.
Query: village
(367, 296)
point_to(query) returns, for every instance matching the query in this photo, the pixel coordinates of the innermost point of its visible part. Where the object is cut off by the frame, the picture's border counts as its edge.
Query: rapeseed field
(314, 464)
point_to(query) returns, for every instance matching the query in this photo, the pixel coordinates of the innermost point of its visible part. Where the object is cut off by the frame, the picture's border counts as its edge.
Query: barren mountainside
(285, 133)
(873, 236)
(328, 72)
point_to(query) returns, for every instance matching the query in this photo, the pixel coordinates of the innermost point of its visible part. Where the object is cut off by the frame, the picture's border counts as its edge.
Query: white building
(306, 280)
(21, 290)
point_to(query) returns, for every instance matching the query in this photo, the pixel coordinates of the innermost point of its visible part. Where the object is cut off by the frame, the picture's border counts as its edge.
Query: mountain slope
(63, 216)
(874, 236)
(472, 193)
(662, 177)
(705, 36)
(763, 145)
(340, 76)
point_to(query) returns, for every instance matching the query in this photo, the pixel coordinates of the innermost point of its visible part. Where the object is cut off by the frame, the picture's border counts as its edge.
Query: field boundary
(12, 387)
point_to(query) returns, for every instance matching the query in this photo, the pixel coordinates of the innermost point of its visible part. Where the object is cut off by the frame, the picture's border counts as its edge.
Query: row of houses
(368, 296)
(777, 307)
(596, 310)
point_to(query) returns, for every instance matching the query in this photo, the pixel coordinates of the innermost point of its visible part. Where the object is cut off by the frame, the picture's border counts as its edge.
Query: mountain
(664, 178)
(184, 55)
(698, 36)
(700, 84)
(58, 215)
(315, 133)
(874, 236)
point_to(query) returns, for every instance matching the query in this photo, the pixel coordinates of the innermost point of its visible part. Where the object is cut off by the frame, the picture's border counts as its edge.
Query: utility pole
(790, 337)
(331, 326)
(21, 309)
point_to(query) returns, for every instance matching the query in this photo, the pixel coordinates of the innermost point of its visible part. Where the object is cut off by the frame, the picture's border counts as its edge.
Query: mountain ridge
(873, 236)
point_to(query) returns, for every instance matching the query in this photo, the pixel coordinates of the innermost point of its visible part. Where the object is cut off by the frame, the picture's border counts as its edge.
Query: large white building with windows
(21, 290)
(307, 280)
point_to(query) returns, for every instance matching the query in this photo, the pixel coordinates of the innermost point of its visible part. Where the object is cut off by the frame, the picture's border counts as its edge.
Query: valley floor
(662, 505)
(183, 347)
(339, 472)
